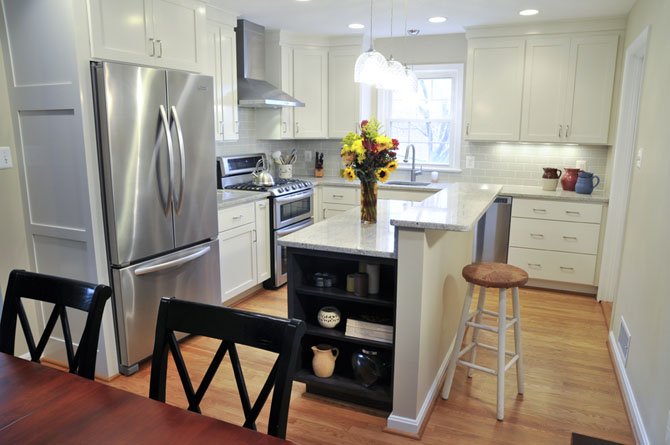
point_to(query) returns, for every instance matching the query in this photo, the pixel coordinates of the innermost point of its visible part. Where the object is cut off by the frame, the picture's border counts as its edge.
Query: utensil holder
(286, 171)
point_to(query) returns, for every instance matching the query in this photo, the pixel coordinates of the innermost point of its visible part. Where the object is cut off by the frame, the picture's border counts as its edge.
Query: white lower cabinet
(335, 200)
(404, 195)
(244, 247)
(556, 240)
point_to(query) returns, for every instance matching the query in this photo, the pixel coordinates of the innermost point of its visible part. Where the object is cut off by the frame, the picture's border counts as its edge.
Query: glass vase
(368, 202)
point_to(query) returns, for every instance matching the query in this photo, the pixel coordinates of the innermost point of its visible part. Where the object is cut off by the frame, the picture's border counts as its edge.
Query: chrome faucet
(414, 172)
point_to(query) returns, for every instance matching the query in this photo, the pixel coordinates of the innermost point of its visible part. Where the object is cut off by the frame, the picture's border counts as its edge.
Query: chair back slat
(232, 327)
(62, 293)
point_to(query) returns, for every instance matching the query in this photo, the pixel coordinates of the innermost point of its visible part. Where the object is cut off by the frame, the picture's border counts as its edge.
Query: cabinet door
(121, 30)
(213, 68)
(310, 85)
(231, 125)
(544, 89)
(493, 89)
(592, 65)
(263, 239)
(343, 92)
(180, 32)
(237, 251)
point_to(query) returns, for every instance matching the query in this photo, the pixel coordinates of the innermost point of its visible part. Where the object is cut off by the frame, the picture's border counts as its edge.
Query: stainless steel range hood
(252, 89)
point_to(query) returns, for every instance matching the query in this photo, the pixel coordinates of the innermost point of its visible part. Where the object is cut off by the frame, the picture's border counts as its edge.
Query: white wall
(443, 48)
(642, 299)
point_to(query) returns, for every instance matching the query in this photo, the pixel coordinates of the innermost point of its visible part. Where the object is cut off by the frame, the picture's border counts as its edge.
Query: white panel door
(343, 92)
(122, 30)
(231, 123)
(310, 85)
(179, 30)
(493, 89)
(592, 63)
(237, 253)
(263, 240)
(544, 89)
(212, 67)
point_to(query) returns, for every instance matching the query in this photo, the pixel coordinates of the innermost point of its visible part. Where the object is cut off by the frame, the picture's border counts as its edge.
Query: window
(430, 119)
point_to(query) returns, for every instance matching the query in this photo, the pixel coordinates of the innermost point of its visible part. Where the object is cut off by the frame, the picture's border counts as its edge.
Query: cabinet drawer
(340, 195)
(556, 266)
(554, 235)
(236, 216)
(557, 210)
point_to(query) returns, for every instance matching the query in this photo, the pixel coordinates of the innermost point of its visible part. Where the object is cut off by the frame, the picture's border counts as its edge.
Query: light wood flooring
(570, 385)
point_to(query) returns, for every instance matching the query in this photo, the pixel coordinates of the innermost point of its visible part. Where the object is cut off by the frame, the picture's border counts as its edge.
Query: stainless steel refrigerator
(156, 143)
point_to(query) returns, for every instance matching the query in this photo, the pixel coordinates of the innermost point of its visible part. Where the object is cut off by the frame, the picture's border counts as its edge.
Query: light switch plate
(469, 162)
(5, 158)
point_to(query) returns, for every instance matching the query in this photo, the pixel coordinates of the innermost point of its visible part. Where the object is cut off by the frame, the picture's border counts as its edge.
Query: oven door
(290, 209)
(280, 266)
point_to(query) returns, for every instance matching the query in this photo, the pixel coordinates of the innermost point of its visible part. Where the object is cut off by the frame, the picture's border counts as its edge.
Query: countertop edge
(242, 199)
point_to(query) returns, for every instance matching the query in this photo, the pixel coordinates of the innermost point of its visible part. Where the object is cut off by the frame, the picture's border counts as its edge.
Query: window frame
(454, 71)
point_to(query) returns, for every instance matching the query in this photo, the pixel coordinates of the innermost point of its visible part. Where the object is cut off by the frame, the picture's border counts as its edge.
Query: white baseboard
(628, 396)
(413, 427)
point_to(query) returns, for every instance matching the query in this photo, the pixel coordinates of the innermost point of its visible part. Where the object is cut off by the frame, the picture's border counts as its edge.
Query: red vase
(569, 179)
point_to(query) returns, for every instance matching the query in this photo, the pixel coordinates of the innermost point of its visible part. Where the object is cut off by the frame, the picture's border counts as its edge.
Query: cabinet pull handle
(261, 205)
(160, 48)
(571, 238)
(153, 47)
(467, 129)
(537, 235)
(572, 212)
(338, 196)
(255, 236)
(284, 127)
(567, 268)
(567, 131)
(560, 130)
(237, 217)
(237, 126)
(222, 128)
(297, 127)
(540, 210)
(535, 265)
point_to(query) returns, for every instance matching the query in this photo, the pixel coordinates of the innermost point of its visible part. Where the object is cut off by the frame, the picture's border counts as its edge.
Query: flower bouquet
(370, 157)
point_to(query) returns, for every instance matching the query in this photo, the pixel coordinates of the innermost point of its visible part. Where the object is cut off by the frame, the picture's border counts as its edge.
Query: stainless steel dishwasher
(492, 233)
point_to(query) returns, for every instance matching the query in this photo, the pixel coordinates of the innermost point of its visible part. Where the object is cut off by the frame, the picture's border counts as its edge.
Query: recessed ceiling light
(356, 26)
(529, 12)
(437, 19)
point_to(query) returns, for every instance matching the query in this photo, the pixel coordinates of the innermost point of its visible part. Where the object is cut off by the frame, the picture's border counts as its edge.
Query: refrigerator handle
(182, 157)
(168, 139)
(173, 263)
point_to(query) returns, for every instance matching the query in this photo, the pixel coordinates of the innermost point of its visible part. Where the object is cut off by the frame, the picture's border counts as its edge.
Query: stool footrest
(494, 314)
(477, 367)
(488, 327)
(491, 348)
(511, 362)
(466, 349)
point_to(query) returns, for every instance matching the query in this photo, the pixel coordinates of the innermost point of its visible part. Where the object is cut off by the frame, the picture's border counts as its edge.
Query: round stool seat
(498, 275)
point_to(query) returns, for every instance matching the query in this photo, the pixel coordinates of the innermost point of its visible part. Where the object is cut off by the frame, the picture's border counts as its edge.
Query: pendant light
(371, 65)
(394, 77)
(409, 83)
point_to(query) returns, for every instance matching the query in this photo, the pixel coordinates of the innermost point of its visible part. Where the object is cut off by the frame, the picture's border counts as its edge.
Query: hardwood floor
(570, 385)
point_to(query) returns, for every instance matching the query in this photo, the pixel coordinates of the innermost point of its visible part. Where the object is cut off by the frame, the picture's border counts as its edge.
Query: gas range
(282, 187)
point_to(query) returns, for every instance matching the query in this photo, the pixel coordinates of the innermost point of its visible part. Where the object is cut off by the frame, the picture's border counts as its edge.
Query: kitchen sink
(420, 184)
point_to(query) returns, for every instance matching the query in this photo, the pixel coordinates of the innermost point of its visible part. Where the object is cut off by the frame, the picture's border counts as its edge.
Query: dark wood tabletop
(40, 405)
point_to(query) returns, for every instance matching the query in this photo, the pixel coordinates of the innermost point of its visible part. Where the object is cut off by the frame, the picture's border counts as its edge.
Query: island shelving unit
(304, 302)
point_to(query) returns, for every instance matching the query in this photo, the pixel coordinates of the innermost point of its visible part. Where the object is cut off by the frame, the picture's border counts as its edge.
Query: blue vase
(585, 183)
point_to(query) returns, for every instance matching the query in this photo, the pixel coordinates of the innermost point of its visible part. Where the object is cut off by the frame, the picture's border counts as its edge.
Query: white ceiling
(331, 17)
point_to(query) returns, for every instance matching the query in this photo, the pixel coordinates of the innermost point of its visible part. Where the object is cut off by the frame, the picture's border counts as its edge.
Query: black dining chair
(62, 293)
(232, 327)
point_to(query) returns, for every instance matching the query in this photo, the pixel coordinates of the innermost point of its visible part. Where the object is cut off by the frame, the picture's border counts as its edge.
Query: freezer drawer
(190, 274)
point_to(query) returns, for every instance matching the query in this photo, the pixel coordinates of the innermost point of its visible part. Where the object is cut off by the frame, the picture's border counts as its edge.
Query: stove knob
(294, 186)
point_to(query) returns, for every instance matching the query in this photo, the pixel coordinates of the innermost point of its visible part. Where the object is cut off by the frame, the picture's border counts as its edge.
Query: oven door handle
(294, 228)
(294, 196)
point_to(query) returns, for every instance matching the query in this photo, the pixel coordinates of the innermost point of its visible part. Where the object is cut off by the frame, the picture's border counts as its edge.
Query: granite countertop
(456, 207)
(230, 198)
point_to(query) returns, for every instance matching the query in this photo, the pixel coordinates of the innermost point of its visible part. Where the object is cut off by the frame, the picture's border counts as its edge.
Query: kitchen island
(421, 248)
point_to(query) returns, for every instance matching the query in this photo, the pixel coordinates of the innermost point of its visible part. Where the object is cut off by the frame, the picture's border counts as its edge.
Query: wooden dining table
(42, 405)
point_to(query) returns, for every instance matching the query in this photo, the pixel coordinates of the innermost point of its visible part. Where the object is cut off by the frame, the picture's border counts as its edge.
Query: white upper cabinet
(343, 92)
(221, 64)
(164, 33)
(493, 89)
(568, 86)
(310, 85)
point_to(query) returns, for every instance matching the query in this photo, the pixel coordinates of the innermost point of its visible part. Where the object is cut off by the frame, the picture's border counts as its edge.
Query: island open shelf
(304, 302)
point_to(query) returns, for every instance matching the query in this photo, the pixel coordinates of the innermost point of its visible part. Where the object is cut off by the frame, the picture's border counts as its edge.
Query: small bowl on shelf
(325, 279)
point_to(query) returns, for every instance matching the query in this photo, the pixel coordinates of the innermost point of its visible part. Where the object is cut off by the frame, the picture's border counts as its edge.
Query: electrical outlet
(469, 162)
(5, 158)
(308, 155)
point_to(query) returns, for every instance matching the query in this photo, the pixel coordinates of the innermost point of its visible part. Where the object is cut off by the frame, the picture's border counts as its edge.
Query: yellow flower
(392, 166)
(349, 174)
(357, 147)
(382, 174)
(383, 142)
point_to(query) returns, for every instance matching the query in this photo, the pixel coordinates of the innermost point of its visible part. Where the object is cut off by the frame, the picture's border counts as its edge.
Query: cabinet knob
(567, 131)
(560, 131)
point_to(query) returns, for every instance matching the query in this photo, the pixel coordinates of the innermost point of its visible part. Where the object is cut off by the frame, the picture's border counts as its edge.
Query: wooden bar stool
(500, 276)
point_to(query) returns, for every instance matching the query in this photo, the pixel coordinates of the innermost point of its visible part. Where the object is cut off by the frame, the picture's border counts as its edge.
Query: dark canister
(368, 367)
(585, 183)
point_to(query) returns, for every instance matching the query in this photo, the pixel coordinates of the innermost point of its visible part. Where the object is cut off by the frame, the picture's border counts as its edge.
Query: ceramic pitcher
(551, 173)
(323, 362)
(585, 183)
(569, 179)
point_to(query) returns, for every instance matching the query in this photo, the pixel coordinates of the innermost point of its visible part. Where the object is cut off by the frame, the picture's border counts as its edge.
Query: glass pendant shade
(411, 82)
(394, 77)
(370, 67)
